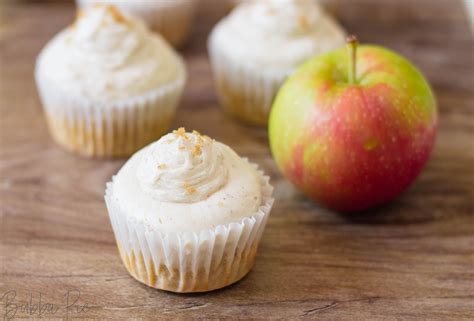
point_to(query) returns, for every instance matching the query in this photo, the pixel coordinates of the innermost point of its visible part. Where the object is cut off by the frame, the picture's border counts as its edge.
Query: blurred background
(423, 241)
(404, 25)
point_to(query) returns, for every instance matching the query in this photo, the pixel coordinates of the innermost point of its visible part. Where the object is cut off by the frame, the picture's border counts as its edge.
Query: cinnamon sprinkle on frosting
(176, 169)
(117, 15)
(197, 150)
(189, 189)
(181, 132)
(197, 147)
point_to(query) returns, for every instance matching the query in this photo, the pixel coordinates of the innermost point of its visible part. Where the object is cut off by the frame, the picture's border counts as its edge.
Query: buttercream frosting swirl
(284, 18)
(109, 55)
(278, 33)
(105, 37)
(182, 167)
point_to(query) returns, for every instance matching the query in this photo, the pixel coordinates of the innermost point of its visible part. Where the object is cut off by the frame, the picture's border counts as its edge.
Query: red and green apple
(353, 128)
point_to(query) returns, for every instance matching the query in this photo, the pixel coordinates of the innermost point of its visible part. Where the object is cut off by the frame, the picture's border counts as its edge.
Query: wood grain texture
(412, 259)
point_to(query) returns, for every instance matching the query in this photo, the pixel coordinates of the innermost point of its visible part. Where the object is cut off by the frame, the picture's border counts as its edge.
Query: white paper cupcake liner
(108, 129)
(245, 91)
(172, 19)
(192, 261)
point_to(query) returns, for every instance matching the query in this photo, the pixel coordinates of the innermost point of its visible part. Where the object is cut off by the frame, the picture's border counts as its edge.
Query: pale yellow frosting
(182, 168)
(108, 55)
(277, 34)
(187, 182)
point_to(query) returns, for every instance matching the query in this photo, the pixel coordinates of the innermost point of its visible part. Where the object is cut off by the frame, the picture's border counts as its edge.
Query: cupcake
(188, 213)
(330, 5)
(107, 84)
(171, 18)
(259, 44)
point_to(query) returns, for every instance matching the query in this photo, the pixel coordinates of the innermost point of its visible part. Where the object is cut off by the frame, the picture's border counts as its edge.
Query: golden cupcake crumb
(197, 150)
(162, 166)
(181, 132)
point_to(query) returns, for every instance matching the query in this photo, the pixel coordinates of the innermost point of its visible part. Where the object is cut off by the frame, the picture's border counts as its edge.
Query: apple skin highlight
(348, 146)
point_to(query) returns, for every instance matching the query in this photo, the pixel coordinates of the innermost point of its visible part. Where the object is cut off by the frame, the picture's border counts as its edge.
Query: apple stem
(352, 43)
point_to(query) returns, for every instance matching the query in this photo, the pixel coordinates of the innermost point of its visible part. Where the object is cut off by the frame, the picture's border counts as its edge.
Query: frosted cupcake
(330, 6)
(188, 213)
(170, 18)
(259, 44)
(108, 85)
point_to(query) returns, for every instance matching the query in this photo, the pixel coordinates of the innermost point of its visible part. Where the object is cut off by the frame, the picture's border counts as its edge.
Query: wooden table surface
(412, 259)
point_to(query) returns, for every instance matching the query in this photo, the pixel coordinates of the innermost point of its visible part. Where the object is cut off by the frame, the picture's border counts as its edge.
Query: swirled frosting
(182, 167)
(108, 55)
(277, 33)
(180, 184)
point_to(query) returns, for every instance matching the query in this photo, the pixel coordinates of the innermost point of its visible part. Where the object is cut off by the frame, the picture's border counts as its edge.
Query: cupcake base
(173, 21)
(106, 129)
(189, 261)
(245, 92)
(225, 272)
(112, 136)
(250, 106)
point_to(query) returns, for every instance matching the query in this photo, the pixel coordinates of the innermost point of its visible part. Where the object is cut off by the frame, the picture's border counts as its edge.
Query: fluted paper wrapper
(245, 92)
(191, 261)
(109, 129)
(172, 19)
